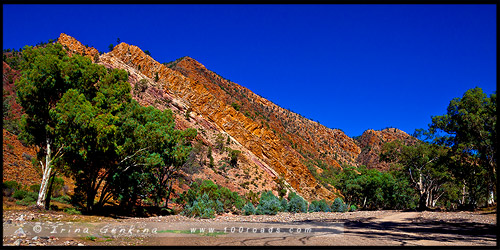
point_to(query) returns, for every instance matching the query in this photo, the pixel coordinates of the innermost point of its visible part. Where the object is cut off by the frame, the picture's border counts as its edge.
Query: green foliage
(219, 199)
(72, 211)
(19, 194)
(319, 206)
(147, 52)
(111, 47)
(353, 208)
(24, 197)
(63, 199)
(235, 106)
(249, 209)
(9, 187)
(233, 156)
(268, 204)
(87, 112)
(202, 207)
(425, 167)
(252, 197)
(35, 188)
(141, 86)
(338, 205)
(284, 205)
(211, 158)
(469, 129)
(280, 186)
(219, 142)
(296, 204)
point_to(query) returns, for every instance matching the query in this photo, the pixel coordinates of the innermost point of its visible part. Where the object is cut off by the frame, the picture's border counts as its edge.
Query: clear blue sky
(353, 67)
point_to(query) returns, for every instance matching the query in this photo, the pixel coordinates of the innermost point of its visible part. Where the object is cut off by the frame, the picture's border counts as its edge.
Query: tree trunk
(491, 199)
(49, 192)
(46, 171)
(422, 203)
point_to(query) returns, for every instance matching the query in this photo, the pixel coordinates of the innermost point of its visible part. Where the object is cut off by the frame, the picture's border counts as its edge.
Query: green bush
(9, 187)
(313, 207)
(35, 188)
(284, 205)
(249, 209)
(296, 204)
(63, 199)
(141, 86)
(268, 204)
(19, 194)
(25, 198)
(219, 199)
(57, 187)
(202, 207)
(319, 206)
(71, 210)
(25, 202)
(338, 205)
(353, 208)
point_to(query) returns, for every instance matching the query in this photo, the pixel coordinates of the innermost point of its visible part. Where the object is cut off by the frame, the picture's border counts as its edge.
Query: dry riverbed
(361, 228)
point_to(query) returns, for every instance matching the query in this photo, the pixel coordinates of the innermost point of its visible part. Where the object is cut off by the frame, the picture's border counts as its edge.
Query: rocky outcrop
(371, 143)
(76, 47)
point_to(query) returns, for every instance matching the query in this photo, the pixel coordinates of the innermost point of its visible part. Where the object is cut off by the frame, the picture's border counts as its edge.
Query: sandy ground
(362, 228)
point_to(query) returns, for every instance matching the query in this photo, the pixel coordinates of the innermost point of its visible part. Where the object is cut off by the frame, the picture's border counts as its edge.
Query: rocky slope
(261, 146)
(272, 141)
(371, 143)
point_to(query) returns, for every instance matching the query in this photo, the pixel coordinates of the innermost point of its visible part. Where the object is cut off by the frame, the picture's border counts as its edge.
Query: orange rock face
(77, 47)
(259, 140)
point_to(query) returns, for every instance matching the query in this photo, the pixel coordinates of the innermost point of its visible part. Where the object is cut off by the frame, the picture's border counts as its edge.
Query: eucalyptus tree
(47, 73)
(469, 128)
(425, 166)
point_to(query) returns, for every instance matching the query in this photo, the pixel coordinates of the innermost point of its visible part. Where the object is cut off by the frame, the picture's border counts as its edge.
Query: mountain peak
(75, 46)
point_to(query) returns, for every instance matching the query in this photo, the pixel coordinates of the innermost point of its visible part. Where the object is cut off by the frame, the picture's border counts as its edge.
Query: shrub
(202, 207)
(234, 157)
(35, 188)
(353, 208)
(63, 199)
(319, 206)
(313, 207)
(284, 205)
(235, 106)
(249, 209)
(206, 195)
(323, 206)
(25, 198)
(71, 210)
(338, 205)
(268, 204)
(296, 204)
(19, 194)
(9, 187)
(141, 86)
(57, 187)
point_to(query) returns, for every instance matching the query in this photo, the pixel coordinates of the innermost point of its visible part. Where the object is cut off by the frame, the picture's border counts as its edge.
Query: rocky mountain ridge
(273, 142)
